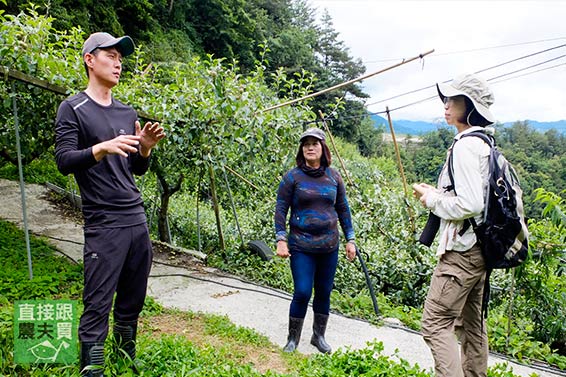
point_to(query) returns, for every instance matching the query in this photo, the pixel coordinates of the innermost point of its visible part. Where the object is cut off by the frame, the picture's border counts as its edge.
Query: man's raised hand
(120, 145)
(149, 136)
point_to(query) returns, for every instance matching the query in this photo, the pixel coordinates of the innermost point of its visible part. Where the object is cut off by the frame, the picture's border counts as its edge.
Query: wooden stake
(420, 56)
(401, 170)
(335, 149)
(241, 177)
(44, 84)
(216, 210)
(510, 309)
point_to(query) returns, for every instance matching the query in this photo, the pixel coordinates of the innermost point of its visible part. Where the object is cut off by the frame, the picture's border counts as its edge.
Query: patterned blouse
(317, 204)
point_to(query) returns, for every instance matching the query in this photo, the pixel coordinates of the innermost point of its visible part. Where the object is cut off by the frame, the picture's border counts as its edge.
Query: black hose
(368, 281)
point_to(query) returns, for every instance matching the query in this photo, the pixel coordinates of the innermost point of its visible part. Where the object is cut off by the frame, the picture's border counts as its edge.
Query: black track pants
(116, 260)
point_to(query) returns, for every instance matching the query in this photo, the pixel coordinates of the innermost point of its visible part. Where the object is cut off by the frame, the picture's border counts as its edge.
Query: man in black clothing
(101, 142)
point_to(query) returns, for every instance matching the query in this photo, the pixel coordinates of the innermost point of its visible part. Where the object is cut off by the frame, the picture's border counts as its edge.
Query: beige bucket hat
(473, 87)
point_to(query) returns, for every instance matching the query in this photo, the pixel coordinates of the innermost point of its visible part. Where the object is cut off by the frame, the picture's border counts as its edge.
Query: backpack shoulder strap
(489, 140)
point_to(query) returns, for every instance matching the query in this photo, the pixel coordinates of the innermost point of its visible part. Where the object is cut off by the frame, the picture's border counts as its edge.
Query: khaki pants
(453, 305)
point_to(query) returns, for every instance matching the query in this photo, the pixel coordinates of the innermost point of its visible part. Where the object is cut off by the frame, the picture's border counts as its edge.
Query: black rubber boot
(125, 338)
(295, 329)
(318, 331)
(92, 359)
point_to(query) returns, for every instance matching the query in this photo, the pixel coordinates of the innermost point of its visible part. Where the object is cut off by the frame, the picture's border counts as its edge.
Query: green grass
(37, 171)
(171, 342)
(349, 301)
(53, 276)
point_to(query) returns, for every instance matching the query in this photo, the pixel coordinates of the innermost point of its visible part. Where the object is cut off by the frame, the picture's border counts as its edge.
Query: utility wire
(473, 49)
(480, 71)
(407, 105)
(521, 58)
(404, 94)
(490, 79)
(529, 73)
(523, 69)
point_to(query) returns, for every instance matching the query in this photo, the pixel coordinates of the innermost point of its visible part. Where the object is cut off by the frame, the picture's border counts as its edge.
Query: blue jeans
(310, 270)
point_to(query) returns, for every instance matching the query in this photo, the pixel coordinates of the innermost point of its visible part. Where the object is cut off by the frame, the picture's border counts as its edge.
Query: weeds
(171, 343)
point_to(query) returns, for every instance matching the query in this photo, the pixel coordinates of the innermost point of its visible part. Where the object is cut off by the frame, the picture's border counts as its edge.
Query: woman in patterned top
(317, 198)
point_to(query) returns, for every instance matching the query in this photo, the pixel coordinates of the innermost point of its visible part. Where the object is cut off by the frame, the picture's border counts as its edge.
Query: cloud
(468, 36)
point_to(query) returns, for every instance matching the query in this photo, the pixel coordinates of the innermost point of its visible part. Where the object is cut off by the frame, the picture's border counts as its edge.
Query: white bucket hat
(474, 88)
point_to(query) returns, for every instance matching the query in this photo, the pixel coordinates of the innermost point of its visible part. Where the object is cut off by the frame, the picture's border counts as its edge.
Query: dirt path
(199, 288)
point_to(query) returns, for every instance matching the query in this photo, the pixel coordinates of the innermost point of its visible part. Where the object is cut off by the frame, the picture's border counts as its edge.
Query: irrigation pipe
(420, 56)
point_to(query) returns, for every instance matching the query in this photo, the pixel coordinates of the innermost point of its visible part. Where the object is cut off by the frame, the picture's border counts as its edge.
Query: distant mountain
(408, 127)
(560, 125)
(411, 127)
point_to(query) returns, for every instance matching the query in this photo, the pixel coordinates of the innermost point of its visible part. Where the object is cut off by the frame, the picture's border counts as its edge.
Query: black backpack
(502, 235)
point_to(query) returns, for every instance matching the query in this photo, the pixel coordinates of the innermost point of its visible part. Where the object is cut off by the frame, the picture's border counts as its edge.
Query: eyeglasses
(454, 99)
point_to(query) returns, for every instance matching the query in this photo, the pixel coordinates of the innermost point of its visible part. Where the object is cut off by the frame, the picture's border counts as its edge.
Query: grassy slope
(170, 343)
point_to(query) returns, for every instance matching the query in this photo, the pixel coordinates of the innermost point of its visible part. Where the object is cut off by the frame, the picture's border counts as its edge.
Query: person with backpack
(455, 297)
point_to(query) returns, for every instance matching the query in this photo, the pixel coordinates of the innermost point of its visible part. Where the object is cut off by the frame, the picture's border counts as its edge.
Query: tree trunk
(168, 191)
(162, 224)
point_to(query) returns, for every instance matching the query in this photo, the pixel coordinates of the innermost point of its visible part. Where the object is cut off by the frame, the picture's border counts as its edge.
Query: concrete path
(210, 291)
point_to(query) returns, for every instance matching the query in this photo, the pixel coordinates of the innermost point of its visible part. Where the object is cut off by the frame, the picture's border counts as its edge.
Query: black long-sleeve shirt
(110, 197)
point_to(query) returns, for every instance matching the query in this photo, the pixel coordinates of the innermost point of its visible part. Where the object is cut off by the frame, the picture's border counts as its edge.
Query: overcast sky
(467, 37)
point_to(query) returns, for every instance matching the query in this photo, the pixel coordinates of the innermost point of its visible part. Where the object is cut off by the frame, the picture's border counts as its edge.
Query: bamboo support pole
(216, 210)
(405, 61)
(233, 205)
(335, 149)
(510, 308)
(241, 177)
(401, 170)
(44, 84)
(201, 173)
(22, 182)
